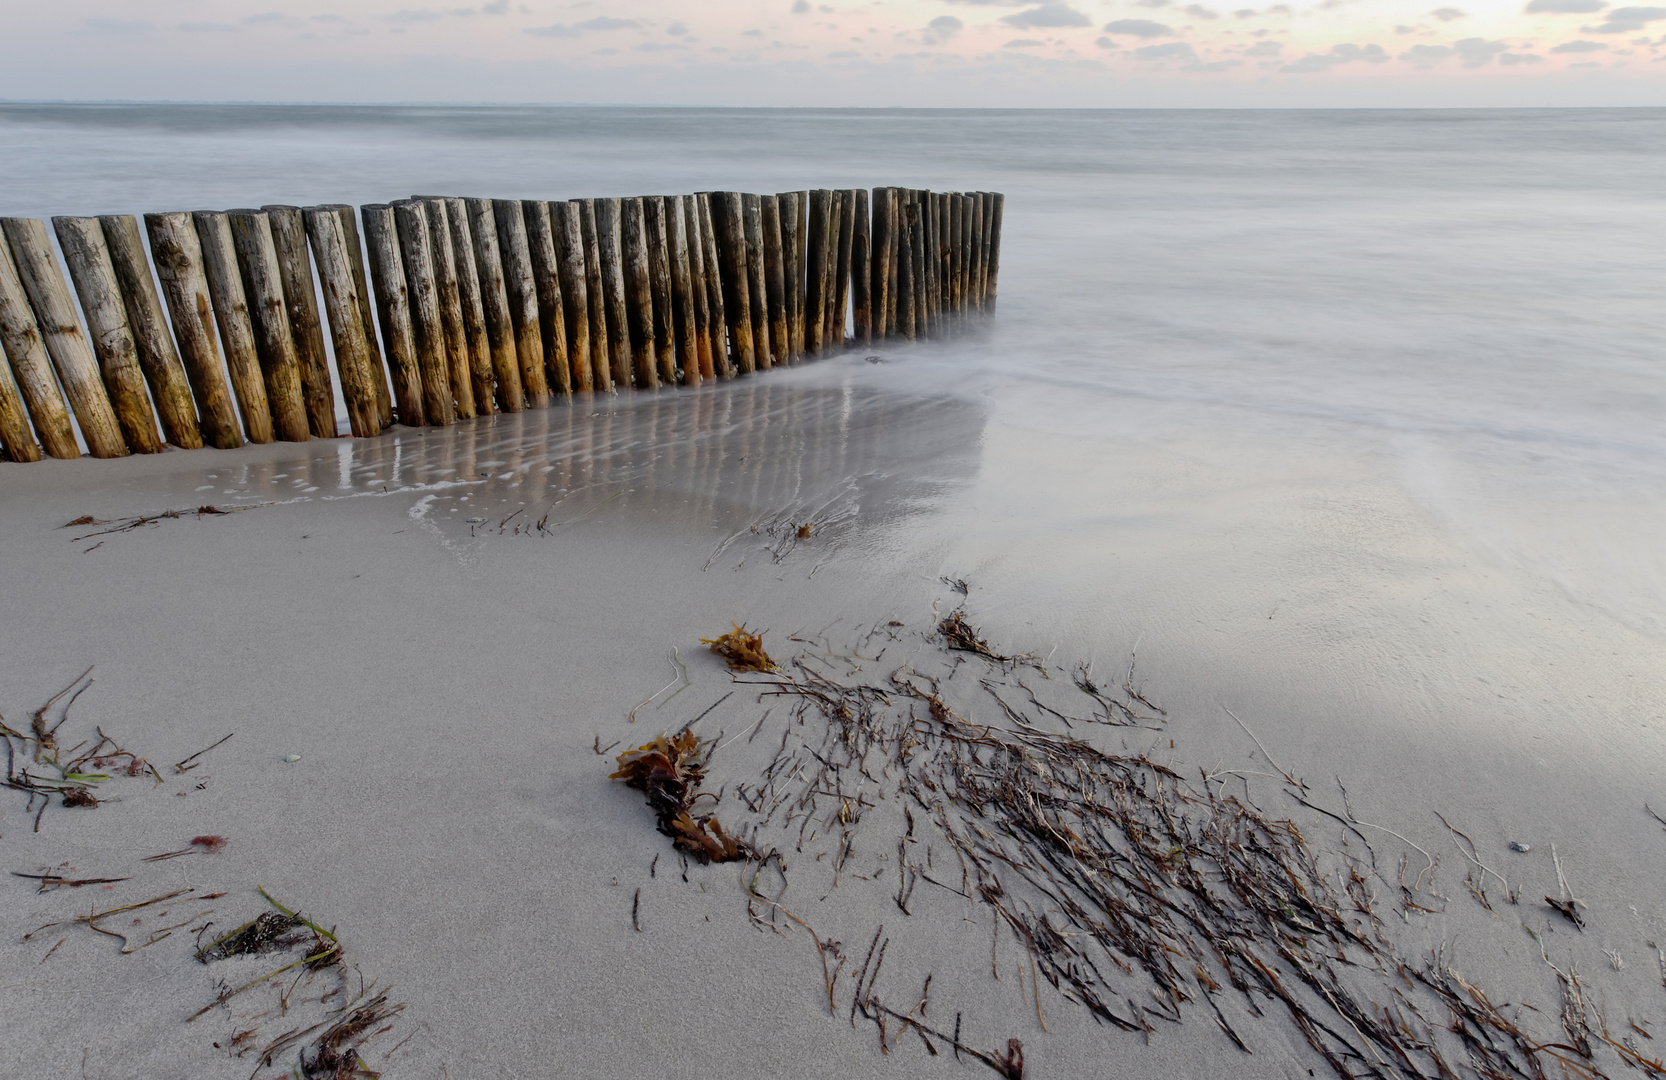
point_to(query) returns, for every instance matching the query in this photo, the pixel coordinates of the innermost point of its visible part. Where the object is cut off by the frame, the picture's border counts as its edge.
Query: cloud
(1140, 28)
(1579, 47)
(495, 7)
(210, 28)
(1564, 7)
(1519, 58)
(1478, 52)
(677, 29)
(1425, 55)
(1198, 11)
(573, 30)
(801, 7)
(1048, 16)
(1447, 14)
(1174, 50)
(942, 29)
(1626, 20)
(1152, 3)
(115, 26)
(1315, 63)
(661, 46)
(1264, 48)
(1023, 43)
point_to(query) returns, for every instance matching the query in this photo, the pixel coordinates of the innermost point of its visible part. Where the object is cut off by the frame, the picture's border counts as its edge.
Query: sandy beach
(444, 683)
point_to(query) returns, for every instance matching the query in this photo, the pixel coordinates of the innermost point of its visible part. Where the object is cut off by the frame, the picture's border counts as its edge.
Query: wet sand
(444, 683)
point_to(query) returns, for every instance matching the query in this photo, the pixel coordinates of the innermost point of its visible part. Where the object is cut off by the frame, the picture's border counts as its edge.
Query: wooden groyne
(440, 308)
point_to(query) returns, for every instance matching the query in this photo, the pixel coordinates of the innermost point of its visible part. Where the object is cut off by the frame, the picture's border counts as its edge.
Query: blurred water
(1468, 298)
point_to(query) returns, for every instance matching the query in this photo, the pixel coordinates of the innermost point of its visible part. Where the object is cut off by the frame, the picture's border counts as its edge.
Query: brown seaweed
(669, 771)
(742, 651)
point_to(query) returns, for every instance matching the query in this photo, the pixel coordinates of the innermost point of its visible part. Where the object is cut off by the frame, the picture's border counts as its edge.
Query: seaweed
(669, 771)
(741, 650)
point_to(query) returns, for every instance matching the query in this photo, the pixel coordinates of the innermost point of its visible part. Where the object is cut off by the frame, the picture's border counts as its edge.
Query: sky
(910, 53)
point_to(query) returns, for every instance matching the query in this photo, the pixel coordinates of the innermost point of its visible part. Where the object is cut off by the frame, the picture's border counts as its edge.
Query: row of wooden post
(470, 306)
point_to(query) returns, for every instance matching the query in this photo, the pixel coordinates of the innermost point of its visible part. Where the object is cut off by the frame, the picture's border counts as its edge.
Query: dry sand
(444, 684)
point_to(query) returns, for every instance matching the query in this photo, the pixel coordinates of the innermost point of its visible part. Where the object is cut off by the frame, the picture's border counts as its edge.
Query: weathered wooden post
(831, 316)
(567, 228)
(788, 210)
(17, 442)
(775, 278)
(177, 253)
(481, 374)
(685, 322)
(757, 281)
(347, 330)
(612, 258)
(729, 222)
(934, 262)
(992, 270)
(60, 330)
(918, 267)
(459, 364)
(289, 238)
(904, 269)
(861, 271)
(880, 269)
(815, 276)
(410, 223)
(376, 368)
(721, 353)
(257, 257)
(659, 280)
(20, 339)
(975, 271)
(231, 313)
(700, 312)
(88, 258)
(523, 300)
(494, 299)
(393, 310)
(546, 278)
(957, 223)
(841, 273)
(601, 364)
(639, 295)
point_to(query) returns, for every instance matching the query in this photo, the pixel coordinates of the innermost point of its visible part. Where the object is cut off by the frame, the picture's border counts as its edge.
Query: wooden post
(231, 314)
(907, 222)
(289, 237)
(975, 300)
(393, 310)
(639, 295)
(410, 223)
(567, 229)
(730, 222)
(721, 355)
(775, 278)
(612, 261)
(377, 369)
(494, 299)
(685, 323)
(880, 270)
(257, 257)
(957, 223)
(88, 258)
(831, 315)
(347, 331)
(894, 246)
(659, 280)
(757, 281)
(481, 376)
(459, 365)
(788, 211)
(177, 252)
(986, 247)
(546, 280)
(934, 263)
(815, 261)
(861, 270)
(60, 330)
(700, 312)
(596, 292)
(17, 442)
(992, 269)
(523, 300)
(919, 269)
(20, 338)
(841, 277)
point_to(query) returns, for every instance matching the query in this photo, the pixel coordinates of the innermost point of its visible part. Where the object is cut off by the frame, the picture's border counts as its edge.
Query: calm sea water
(1471, 297)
